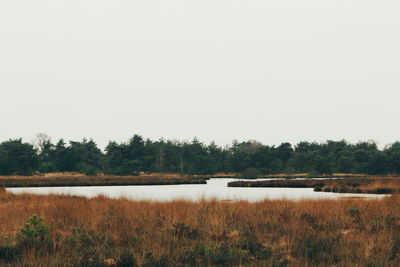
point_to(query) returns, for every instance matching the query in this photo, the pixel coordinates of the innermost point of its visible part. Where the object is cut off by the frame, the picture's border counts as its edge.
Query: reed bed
(373, 185)
(96, 181)
(77, 231)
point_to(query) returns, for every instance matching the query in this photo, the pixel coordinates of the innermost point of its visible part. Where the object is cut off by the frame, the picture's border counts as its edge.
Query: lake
(214, 189)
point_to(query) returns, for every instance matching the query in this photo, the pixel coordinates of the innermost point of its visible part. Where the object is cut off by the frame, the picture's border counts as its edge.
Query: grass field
(78, 231)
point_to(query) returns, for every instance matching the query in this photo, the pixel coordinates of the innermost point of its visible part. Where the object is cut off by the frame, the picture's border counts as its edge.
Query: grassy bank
(310, 175)
(104, 232)
(82, 180)
(375, 185)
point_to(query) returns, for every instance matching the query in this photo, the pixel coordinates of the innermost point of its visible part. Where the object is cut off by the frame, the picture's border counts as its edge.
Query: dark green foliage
(35, 233)
(84, 157)
(84, 247)
(126, 259)
(8, 253)
(250, 173)
(126, 159)
(34, 236)
(17, 157)
(249, 158)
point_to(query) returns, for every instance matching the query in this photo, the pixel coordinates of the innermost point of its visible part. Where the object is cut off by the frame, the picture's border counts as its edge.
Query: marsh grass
(83, 180)
(372, 185)
(376, 186)
(119, 232)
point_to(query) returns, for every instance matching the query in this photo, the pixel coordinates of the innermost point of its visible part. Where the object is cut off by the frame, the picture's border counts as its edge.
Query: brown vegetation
(52, 175)
(309, 175)
(371, 185)
(83, 180)
(374, 186)
(106, 232)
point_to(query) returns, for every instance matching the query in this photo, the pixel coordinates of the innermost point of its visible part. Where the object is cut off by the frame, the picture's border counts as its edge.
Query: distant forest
(249, 158)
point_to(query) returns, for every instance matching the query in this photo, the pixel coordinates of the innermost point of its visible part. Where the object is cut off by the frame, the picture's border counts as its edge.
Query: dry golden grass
(107, 232)
(75, 179)
(308, 175)
(53, 175)
(45, 175)
(370, 185)
(349, 175)
(375, 186)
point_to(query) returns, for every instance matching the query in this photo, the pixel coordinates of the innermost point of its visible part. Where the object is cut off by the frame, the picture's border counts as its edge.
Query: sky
(219, 70)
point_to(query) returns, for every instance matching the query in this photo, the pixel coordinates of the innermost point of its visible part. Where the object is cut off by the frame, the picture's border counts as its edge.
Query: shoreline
(96, 181)
(370, 185)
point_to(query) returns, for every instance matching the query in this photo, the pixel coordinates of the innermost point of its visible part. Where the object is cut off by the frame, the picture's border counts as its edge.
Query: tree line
(194, 157)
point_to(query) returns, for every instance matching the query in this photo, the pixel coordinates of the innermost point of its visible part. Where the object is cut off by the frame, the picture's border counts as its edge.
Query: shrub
(8, 253)
(154, 261)
(250, 242)
(317, 248)
(126, 259)
(250, 173)
(395, 247)
(35, 233)
(87, 169)
(353, 211)
(182, 230)
(222, 254)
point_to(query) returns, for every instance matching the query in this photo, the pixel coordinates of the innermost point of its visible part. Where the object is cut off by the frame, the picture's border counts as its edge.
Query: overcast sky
(220, 70)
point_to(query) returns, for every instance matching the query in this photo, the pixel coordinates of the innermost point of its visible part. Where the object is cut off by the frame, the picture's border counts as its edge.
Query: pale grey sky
(272, 71)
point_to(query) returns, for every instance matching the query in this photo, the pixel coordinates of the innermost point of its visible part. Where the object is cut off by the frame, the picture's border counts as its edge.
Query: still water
(214, 189)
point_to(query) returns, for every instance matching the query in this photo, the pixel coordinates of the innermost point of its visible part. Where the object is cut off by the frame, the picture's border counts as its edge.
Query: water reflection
(214, 189)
